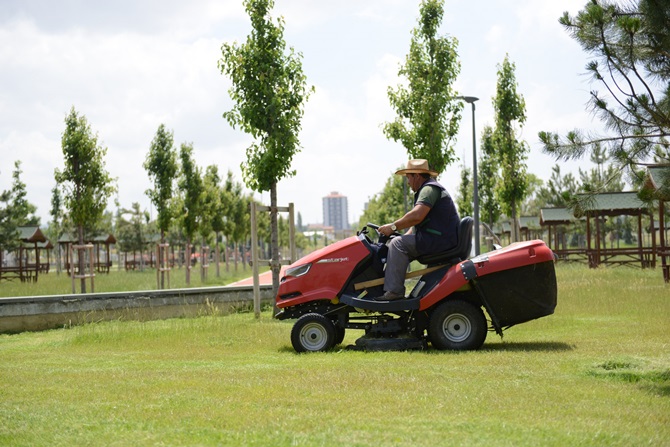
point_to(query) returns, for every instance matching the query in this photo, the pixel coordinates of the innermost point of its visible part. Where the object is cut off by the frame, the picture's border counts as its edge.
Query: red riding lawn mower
(331, 290)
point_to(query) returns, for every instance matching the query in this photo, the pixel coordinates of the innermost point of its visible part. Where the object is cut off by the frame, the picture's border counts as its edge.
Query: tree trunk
(82, 259)
(275, 266)
(161, 261)
(226, 254)
(218, 256)
(514, 227)
(188, 261)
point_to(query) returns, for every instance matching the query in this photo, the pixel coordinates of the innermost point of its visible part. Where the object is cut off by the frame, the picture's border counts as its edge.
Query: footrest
(381, 306)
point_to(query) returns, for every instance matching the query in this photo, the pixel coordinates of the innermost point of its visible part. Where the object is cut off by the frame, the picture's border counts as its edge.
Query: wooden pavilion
(27, 262)
(98, 241)
(530, 228)
(596, 208)
(557, 221)
(657, 186)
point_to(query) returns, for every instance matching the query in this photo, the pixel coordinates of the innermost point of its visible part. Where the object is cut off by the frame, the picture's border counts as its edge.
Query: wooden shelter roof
(31, 233)
(529, 222)
(97, 239)
(657, 181)
(611, 204)
(556, 216)
(47, 245)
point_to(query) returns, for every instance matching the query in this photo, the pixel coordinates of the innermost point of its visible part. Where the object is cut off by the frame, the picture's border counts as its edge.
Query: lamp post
(471, 100)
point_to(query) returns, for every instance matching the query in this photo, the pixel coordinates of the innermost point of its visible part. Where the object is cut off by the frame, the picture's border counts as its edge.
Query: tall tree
(604, 177)
(132, 233)
(15, 211)
(221, 205)
(533, 200)
(237, 215)
(269, 90)
(488, 179)
(56, 224)
(629, 44)
(386, 205)
(211, 209)
(465, 193)
(428, 115)
(85, 183)
(9, 234)
(191, 186)
(23, 212)
(510, 115)
(560, 189)
(161, 165)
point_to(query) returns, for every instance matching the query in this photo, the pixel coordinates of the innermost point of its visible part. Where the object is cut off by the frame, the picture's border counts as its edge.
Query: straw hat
(419, 166)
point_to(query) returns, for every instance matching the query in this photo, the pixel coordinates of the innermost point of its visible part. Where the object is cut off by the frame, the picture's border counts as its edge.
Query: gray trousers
(402, 251)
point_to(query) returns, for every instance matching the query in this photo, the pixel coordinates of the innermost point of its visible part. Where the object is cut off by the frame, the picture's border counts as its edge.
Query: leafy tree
(132, 234)
(221, 205)
(465, 194)
(23, 212)
(212, 209)
(161, 165)
(510, 113)
(269, 90)
(604, 177)
(16, 211)
(533, 201)
(85, 183)
(237, 214)
(56, 224)
(559, 190)
(191, 186)
(9, 234)
(488, 179)
(428, 116)
(629, 44)
(386, 205)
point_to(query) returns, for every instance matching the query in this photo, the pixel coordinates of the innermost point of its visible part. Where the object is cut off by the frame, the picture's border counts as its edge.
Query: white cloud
(129, 66)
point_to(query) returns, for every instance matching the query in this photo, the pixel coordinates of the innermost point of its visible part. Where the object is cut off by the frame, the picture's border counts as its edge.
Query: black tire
(312, 333)
(457, 325)
(339, 335)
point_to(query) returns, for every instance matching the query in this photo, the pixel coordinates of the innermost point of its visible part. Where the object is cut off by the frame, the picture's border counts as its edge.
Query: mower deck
(403, 342)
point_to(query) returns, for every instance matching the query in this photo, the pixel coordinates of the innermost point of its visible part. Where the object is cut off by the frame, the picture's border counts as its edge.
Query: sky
(131, 65)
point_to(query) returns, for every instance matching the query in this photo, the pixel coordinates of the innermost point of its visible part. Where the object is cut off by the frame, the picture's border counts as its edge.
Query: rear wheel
(457, 325)
(313, 332)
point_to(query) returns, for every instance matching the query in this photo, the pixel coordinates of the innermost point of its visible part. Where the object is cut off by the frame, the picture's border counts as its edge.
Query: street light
(471, 100)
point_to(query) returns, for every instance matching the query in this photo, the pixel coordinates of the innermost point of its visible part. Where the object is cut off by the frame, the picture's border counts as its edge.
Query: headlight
(298, 271)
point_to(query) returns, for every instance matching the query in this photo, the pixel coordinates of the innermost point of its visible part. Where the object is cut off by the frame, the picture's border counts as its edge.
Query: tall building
(336, 211)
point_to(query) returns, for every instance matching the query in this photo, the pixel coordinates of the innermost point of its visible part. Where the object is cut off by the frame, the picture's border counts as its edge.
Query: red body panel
(331, 267)
(518, 254)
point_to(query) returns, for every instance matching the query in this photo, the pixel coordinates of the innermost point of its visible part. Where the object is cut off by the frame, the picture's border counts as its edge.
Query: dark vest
(438, 232)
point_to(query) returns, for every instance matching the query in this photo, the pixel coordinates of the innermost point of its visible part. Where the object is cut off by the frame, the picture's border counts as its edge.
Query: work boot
(390, 296)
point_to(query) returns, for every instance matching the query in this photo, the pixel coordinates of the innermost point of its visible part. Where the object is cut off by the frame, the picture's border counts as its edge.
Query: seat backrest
(464, 246)
(462, 249)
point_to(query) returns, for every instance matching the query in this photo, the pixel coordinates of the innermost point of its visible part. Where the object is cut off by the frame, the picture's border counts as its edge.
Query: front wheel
(313, 332)
(457, 325)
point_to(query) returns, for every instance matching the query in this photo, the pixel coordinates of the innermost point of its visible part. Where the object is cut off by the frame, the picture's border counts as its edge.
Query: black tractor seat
(457, 254)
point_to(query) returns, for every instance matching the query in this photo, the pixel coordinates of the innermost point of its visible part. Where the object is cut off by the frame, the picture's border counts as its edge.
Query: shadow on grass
(511, 347)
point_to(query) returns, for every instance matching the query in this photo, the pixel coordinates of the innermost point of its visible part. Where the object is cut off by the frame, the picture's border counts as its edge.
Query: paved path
(265, 279)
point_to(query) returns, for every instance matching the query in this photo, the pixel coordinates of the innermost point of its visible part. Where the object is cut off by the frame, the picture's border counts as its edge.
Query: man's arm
(413, 217)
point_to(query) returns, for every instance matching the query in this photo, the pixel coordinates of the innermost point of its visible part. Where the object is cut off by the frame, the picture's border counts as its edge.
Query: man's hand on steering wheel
(388, 229)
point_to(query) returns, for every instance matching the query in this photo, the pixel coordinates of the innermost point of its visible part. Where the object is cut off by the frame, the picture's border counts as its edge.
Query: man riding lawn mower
(349, 284)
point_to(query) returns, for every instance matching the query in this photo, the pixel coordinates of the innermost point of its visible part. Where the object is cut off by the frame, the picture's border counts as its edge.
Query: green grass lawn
(597, 372)
(122, 281)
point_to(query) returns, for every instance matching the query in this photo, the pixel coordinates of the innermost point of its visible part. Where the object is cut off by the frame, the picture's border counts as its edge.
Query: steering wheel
(382, 238)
